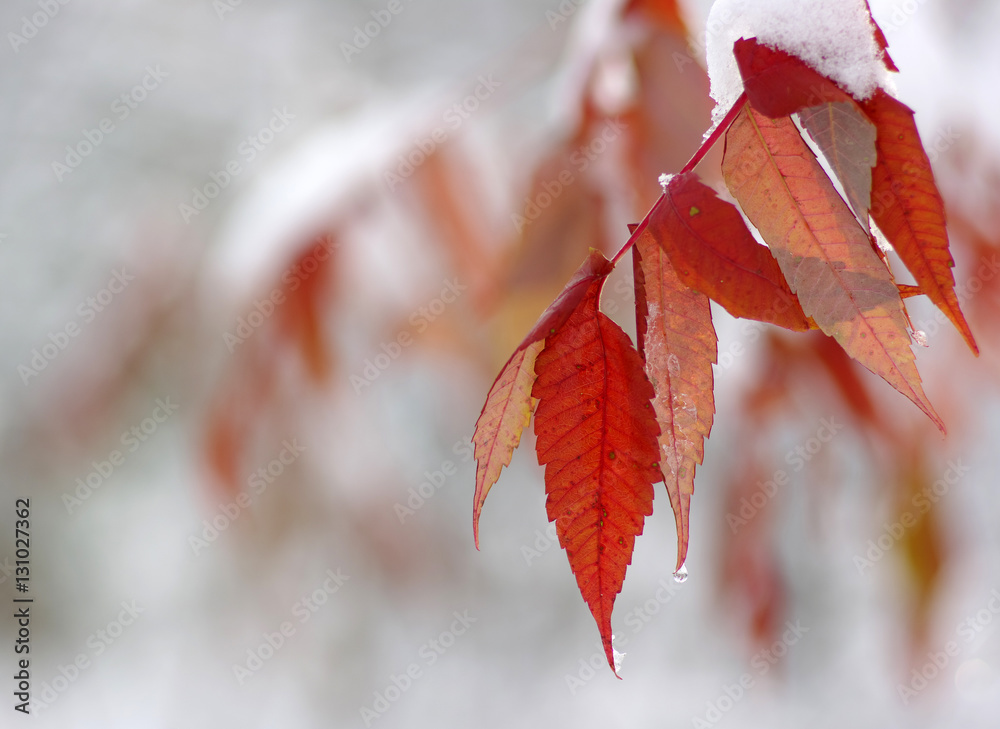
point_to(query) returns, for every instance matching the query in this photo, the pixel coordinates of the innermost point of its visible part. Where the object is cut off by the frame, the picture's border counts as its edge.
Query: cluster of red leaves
(610, 419)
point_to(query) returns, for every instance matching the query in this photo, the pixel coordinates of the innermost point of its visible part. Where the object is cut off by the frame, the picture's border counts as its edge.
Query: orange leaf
(663, 12)
(596, 436)
(302, 317)
(713, 251)
(909, 209)
(823, 252)
(509, 403)
(679, 346)
(846, 138)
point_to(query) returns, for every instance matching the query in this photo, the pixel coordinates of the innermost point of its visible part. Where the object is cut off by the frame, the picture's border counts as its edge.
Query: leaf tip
(971, 341)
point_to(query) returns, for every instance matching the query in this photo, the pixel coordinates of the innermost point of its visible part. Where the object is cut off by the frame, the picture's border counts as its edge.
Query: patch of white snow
(835, 37)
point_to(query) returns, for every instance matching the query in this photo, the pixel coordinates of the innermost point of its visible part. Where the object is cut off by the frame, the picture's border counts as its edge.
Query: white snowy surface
(835, 37)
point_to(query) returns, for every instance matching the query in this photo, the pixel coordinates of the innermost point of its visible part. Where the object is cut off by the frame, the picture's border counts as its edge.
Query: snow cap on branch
(835, 37)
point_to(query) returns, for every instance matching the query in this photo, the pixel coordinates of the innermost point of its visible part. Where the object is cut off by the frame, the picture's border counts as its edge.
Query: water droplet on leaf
(682, 574)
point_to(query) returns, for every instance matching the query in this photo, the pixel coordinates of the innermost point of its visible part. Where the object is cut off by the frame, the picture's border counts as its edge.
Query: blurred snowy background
(259, 264)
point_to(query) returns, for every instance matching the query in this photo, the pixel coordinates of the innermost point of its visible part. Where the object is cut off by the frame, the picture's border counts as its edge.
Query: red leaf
(779, 84)
(509, 403)
(596, 436)
(823, 252)
(713, 251)
(909, 209)
(679, 346)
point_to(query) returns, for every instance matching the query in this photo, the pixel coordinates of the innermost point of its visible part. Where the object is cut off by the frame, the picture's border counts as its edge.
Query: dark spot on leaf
(611, 455)
(693, 211)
